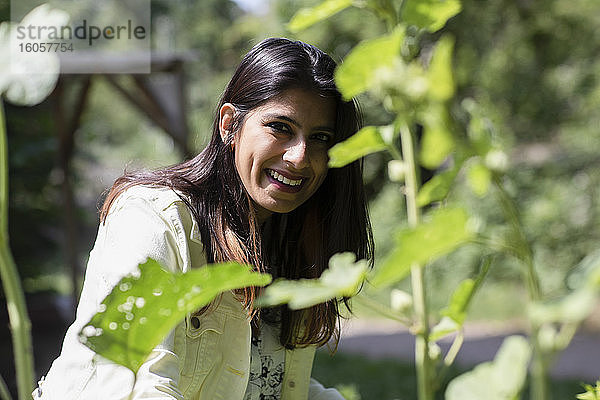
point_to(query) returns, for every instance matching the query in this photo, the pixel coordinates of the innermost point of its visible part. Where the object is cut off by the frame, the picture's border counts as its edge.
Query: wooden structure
(159, 95)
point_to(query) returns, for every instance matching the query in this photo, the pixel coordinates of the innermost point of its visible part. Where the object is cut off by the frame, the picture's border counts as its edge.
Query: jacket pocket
(203, 335)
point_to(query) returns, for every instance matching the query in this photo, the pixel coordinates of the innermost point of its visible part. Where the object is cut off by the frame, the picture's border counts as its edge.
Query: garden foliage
(407, 71)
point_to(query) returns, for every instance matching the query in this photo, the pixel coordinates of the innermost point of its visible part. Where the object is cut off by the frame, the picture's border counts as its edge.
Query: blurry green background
(532, 67)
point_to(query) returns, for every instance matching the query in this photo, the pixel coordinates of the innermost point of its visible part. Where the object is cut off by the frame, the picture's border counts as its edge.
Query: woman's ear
(226, 114)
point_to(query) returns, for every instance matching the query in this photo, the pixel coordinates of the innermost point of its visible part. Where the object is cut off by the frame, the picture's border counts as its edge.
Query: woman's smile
(284, 181)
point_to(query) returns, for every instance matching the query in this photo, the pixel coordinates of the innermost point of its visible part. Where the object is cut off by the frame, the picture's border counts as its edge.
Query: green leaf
(479, 178)
(592, 393)
(501, 379)
(437, 188)
(430, 15)
(366, 141)
(159, 299)
(385, 10)
(309, 16)
(445, 230)
(458, 302)
(441, 82)
(455, 313)
(342, 279)
(360, 66)
(463, 294)
(438, 141)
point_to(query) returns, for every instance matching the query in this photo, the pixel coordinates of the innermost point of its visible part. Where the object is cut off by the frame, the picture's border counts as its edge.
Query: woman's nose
(296, 154)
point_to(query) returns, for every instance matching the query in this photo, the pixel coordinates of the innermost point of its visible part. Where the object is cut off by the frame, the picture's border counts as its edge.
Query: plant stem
(422, 360)
(382, 309)
(4, 393)
(520, 244)
(20, 325)
(522, 250)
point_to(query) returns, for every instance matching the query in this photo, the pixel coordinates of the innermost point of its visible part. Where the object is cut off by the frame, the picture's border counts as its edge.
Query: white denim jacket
(210, 362)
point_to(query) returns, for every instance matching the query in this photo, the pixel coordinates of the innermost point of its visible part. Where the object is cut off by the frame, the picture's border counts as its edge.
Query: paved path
(383, 339)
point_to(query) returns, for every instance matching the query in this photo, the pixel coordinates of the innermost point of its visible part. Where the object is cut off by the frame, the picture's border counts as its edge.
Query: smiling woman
(260, 193)
(281, 150)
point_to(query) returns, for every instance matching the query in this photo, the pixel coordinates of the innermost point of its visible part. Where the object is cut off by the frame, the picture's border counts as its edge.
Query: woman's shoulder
(159, 198)
(155, 215)
(163, 201)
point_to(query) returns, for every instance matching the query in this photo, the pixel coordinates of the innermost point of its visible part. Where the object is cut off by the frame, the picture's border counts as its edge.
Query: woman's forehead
(301, 104)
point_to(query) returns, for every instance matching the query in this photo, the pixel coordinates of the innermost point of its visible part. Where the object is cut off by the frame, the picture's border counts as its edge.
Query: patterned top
(267, 362)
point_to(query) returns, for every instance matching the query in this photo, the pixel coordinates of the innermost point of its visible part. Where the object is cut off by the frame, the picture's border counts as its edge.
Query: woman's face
(281, 149)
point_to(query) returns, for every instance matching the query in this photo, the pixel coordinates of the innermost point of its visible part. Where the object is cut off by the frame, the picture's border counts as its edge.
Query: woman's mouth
(284, 183)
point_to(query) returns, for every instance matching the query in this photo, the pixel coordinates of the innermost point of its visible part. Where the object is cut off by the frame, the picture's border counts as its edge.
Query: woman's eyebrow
(298, 124)
(283, 117)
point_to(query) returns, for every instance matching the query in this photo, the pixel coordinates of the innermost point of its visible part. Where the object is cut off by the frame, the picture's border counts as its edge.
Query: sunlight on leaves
(359, 69)
(444, 231)
(160, 299)
(430, 15)
(342, 279)
(366, 141)
(501, 379)
(307, 17)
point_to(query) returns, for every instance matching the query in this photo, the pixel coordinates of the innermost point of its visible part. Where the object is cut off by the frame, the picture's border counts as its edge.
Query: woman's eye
(279, 127)
(322, 137)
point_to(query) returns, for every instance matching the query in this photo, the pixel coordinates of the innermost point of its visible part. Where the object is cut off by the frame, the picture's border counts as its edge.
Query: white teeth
(283, 179)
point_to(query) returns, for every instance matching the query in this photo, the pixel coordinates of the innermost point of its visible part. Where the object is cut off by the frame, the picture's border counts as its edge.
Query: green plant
(419, 90)
(26, 80)
(410, 75)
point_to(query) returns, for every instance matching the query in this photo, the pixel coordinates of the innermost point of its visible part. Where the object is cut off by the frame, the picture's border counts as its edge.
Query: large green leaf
(446, 229)
(342, 279)
(501, 379)
(360, 66)
(366, 141)
(430, 15)
(311, 15)
(441, 81)
(141, 310)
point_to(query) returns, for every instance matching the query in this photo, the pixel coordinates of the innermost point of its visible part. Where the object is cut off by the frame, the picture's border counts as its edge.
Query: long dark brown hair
(300, 242)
